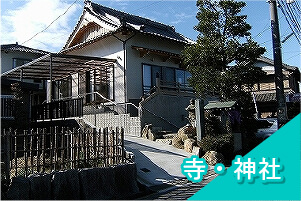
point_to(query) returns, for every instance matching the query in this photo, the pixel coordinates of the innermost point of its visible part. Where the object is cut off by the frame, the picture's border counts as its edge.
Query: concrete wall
(119, 182)
(171, 107)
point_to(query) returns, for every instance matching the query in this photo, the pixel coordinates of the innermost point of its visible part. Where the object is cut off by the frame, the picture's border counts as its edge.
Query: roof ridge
(16, 45)
(159, 24)
(265, 59)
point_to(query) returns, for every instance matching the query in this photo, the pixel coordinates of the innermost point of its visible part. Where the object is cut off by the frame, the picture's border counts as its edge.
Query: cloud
(182, 17)
(22, 23)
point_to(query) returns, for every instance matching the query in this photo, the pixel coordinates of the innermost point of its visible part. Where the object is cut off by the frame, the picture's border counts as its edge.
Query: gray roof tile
(21, 48)
(141, 24)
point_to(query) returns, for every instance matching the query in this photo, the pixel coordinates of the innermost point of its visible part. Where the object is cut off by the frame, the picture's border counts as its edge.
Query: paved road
(182, 192)
(159, 167)
(157, 163)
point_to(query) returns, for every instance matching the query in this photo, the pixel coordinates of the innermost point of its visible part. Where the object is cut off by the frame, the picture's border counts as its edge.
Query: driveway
(157, 163)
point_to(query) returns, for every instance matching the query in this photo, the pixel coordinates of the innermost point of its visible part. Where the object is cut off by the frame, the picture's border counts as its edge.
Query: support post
(50, 76)
(21, 75)
(199, 118)
(281, 110)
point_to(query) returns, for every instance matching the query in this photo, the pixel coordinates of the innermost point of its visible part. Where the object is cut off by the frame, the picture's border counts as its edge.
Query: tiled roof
(271, 62)
(268, 97)
(21, 48)
(118, 18)
(219, 105)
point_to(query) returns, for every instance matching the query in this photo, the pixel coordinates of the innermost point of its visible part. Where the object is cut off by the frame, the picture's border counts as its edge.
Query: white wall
(7, 59)
(134, 61)
(112, 48)
(109, 48)
(7, 62)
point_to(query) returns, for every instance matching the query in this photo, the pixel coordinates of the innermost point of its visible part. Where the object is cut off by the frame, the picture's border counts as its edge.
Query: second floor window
(19, 62)
(167, 75)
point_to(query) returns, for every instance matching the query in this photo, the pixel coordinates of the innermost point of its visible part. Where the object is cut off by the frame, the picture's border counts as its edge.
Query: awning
(166, 55)
(55, 66)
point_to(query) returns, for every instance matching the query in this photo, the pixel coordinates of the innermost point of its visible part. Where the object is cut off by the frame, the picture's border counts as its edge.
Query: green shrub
(212, 125)
(223, 143)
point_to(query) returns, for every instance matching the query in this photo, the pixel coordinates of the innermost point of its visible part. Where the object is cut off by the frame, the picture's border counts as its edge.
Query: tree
(221, 61)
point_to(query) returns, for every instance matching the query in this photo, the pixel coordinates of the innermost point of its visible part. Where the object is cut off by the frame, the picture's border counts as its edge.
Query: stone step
(169, 135)
(164, 141)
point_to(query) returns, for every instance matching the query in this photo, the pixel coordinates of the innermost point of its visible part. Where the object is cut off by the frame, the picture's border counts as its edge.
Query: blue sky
(22, 19)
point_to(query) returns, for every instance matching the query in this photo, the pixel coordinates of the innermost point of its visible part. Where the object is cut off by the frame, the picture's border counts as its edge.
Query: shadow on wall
(170, 107)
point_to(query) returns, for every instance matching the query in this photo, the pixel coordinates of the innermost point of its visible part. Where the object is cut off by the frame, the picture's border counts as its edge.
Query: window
(169, 76)
(19, 62)
(147, 78)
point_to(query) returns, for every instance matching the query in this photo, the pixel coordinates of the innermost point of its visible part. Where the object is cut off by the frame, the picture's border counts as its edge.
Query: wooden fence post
(94, 142)
(15, 152)
(104, 145)
(43, 147)
(25, 152)
(38, 148)
(7, 153)
(113, 154)
(31, 150)
(122, 144)
(51, 148)
(62, 153)
(55, 149)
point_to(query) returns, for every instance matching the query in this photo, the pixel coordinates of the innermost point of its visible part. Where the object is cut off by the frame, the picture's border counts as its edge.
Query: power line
(293, 56)
(51, 23)
(292, 12)
(147, 6)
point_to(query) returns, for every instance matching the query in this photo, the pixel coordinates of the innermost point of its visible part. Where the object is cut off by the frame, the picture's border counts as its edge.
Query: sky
(46, 24)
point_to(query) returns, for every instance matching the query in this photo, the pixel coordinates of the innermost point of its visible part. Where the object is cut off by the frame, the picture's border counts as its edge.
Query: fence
(58, 109)
(7, 107)
(41, 150)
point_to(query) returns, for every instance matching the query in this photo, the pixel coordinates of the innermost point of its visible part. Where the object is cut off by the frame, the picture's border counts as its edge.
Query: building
(265, 90)
(131, 66)
(147, 54)
(33, 90)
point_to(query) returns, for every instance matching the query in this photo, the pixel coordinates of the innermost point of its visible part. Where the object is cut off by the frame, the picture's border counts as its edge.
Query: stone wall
(131, 125)
(118, 182)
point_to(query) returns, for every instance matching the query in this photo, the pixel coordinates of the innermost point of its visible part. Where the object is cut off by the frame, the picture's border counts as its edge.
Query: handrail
(7, 96)
(140, 108)
(100, 95)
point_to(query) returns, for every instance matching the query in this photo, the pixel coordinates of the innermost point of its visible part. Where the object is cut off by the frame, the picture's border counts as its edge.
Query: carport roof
(54, 66)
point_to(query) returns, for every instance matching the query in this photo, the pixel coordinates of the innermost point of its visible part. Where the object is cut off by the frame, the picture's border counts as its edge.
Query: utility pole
(281, 109)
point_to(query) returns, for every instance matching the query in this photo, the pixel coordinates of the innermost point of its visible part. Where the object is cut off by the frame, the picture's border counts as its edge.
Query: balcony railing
(163, 85)
(7, 107)
(58, 109)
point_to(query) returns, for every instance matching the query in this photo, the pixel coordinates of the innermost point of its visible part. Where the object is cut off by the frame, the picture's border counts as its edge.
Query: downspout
(124, 61)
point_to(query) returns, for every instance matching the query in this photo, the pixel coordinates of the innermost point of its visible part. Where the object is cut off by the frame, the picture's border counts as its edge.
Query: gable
(88, 32)
(97, 20)
(88, 28)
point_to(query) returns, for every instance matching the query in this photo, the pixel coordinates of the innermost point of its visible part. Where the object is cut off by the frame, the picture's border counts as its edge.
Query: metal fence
(42, 150)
